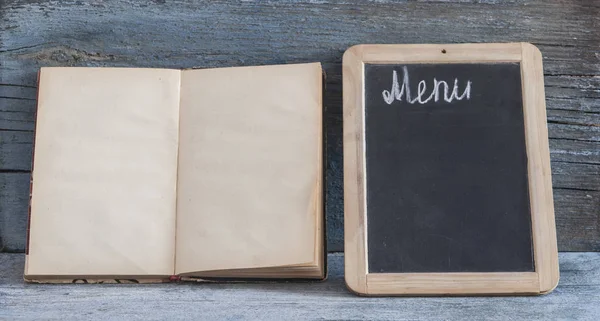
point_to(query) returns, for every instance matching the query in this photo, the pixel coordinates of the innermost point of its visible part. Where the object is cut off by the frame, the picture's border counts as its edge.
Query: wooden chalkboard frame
(358, 279)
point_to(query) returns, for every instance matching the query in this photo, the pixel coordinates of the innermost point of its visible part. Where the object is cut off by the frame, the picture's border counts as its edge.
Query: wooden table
(183, 34)
(576, 298)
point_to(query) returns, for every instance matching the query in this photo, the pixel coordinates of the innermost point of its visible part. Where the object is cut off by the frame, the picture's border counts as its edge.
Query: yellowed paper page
(249, 167)
(104, 176)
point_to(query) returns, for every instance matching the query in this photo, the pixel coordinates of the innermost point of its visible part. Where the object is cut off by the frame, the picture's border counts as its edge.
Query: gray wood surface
(576, 298)
(181, 34)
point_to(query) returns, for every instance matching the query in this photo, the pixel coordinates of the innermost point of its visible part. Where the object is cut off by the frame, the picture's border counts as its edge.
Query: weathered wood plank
(570, 127)
(575, 151)
(14, 203)
(181, 34)
(575, 176)
(577, 222)
(575, 298)
(16, 150)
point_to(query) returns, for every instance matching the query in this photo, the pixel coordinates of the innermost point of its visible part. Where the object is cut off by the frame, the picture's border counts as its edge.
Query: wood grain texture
(539, 173)
(499, 283)
(355, 229)
(576, 298)
(180, 34)
(442, 53)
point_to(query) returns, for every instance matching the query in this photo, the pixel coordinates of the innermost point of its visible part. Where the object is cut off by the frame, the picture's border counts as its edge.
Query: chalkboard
(447, 186)
(446, 179)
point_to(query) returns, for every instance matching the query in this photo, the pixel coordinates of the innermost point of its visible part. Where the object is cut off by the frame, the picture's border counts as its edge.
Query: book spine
(324, 171)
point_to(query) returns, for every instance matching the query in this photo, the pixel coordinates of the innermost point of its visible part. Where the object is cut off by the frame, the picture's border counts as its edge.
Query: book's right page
(250, 168)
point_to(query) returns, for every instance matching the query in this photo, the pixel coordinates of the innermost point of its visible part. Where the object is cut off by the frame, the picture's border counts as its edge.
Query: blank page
(249, 181)
(104, 175)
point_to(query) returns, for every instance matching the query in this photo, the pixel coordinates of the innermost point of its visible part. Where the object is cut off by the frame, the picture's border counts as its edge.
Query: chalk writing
(398, 92)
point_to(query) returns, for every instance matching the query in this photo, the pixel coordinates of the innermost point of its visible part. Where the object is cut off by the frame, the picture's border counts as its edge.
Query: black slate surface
(447, 187)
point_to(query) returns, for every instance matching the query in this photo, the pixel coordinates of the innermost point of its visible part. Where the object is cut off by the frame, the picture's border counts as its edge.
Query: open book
(145, 174)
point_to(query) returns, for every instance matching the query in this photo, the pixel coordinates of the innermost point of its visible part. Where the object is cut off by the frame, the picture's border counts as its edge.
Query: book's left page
(104, 173)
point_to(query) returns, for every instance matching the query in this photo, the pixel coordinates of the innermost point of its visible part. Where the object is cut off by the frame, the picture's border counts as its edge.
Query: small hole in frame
(443, 51)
